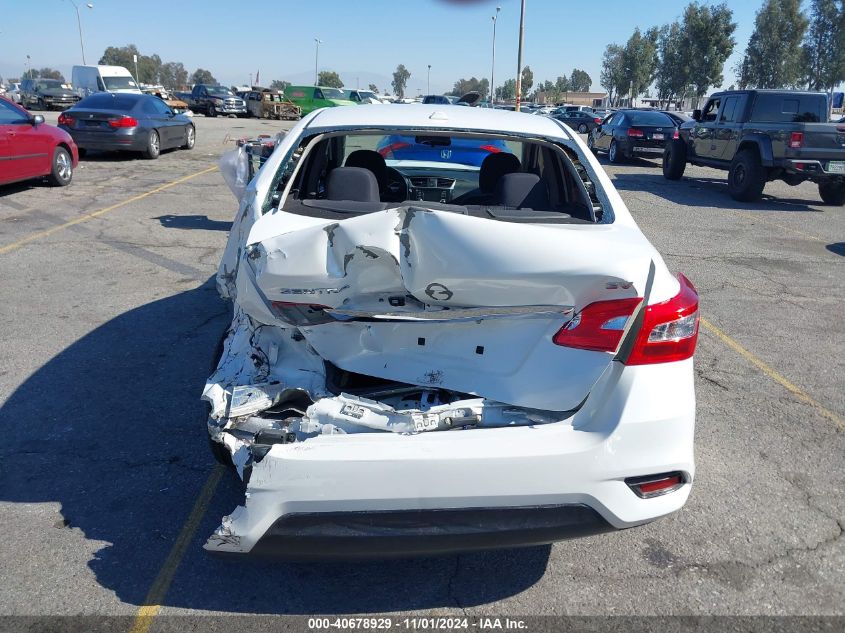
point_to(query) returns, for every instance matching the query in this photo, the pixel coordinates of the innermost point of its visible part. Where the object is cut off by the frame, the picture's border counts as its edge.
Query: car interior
(340, 176)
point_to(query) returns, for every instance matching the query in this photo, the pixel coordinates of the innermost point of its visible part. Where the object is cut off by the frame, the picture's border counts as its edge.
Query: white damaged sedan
(448, 334)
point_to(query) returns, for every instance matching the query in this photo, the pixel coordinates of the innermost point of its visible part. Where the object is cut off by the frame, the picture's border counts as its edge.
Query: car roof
(435, 116)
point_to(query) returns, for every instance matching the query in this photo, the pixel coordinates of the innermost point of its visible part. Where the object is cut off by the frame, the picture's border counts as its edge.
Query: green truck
(310, 98)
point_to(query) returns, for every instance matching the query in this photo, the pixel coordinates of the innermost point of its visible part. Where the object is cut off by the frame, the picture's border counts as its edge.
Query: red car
(29, 148)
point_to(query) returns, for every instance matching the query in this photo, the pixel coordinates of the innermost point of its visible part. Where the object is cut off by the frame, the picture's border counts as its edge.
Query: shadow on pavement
(113, 430)
(707, 192)
(193, 222)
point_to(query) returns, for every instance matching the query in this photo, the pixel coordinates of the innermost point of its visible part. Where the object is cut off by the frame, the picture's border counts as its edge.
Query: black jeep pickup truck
(763, 135)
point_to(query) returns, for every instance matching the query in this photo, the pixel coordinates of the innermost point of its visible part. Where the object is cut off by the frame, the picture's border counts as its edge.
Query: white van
(87, 80)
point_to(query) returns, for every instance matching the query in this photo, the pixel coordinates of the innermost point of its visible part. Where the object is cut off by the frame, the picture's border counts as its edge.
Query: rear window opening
(337, 176)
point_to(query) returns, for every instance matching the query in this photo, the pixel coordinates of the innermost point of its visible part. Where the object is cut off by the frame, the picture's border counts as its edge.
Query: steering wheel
(397, 187)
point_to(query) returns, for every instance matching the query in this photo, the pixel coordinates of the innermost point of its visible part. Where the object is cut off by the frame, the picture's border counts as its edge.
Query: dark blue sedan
(133, 122)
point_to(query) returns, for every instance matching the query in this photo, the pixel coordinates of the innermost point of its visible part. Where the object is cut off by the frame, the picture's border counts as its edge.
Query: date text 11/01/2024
(417, 624)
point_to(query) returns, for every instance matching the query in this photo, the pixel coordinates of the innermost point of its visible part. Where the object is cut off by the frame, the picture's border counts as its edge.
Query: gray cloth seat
(522, 191)
(352, 183)
(372, 160)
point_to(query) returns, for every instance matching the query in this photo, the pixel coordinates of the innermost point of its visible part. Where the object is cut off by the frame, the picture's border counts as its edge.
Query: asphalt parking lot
(108, 490)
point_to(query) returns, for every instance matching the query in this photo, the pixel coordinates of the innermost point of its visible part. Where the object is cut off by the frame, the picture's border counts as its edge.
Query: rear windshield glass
(120, 83)
(649, 118)
(789, 108)
(107, 101)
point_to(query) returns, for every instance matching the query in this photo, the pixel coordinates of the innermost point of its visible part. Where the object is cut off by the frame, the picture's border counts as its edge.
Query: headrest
(352, 183)
(372, 160)
(522, 190)
(494, 167)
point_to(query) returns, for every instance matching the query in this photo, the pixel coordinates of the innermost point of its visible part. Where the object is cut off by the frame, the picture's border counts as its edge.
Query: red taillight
(599, 326)
(597, 120)
(491, 148)
(796, 140)
(676, 134)
(124, 121)
(387, 150)
(635, 132)
(670, 329)
(66, 119)
(655, 485)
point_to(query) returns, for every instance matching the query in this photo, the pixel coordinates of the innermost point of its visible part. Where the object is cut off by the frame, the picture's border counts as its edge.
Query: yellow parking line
(95, 214)
(774, 375)
(158, 590)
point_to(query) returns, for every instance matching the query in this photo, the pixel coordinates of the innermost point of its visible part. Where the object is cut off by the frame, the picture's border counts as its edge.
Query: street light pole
(519, 55)
(493, 66)
(428, 81)
(79, 24)
(317, 42)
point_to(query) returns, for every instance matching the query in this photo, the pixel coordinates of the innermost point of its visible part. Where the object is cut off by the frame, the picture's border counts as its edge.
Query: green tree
(507, 91)
(824, 59)
(173, 75)
(463, 86)
(707, 42)
(330, 79)
(279, 85)
(527, 81)
(774, 56)
(49, 73)
(400, 80)
(640, 61)
(613, 72)
(373, 88)
(562, 84)
(580, 81)
(149, 66)
(672, 75)
(203, 76)
(44, 73)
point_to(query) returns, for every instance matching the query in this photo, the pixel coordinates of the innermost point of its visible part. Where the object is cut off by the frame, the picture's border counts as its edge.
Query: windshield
(49, 84)
(120, 83)
(333, 93)
(649, 118)
(366, 94)
(219, 90)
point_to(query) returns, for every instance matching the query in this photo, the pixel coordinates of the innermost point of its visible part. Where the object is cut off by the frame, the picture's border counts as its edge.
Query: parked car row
(105, 121)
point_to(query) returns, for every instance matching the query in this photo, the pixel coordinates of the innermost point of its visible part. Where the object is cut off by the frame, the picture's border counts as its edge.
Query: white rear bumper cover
(637, 421)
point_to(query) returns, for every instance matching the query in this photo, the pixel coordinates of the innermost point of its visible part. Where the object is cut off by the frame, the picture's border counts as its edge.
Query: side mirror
(37, 120)
(696, 115)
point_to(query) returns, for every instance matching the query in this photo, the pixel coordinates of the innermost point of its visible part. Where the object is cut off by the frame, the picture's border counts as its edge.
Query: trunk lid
(440, 299)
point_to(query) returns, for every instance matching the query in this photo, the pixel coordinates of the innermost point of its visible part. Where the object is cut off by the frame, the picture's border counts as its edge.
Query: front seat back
(494, 167)
(522, 191)
(352, 183)
(372, 160)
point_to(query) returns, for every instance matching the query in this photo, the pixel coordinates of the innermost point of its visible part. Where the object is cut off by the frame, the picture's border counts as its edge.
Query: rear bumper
(121, 140)
(395, 533)
(369, 486)
(647, 148)
(816, 169)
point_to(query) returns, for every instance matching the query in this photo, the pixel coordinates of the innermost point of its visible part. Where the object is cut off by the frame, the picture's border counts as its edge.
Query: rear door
(726, 133)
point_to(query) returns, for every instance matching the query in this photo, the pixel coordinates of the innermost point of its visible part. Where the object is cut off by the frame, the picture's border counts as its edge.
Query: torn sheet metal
(434, 298)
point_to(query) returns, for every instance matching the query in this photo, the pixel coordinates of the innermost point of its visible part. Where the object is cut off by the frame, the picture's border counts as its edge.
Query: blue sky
(363, 40)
